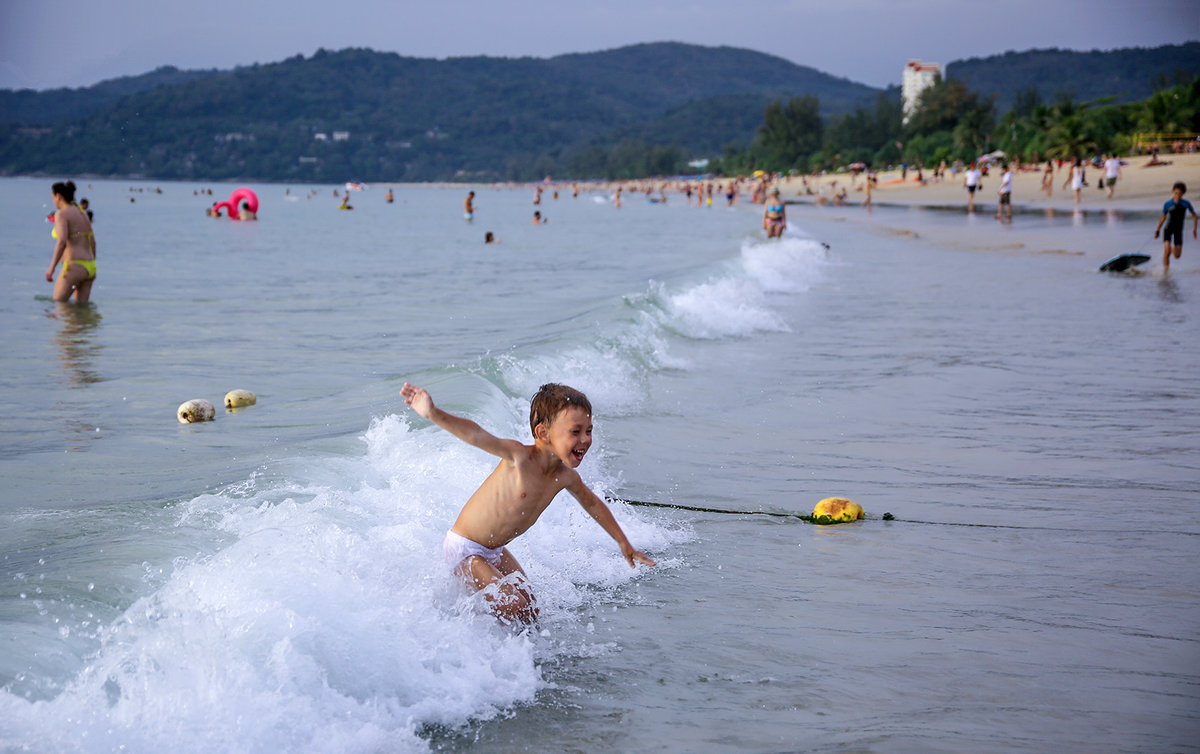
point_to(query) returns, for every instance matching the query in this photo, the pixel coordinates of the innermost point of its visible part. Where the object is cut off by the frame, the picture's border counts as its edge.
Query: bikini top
(76, 234)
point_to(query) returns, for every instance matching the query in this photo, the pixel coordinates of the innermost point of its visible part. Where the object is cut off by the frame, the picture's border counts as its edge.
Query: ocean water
(272, 580)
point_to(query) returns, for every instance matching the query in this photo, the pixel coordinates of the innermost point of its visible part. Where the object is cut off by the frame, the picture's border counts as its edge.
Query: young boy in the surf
(1174, 213)
(510, 500)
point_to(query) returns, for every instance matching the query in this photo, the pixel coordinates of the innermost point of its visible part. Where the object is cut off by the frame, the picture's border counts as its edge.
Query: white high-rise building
(918, 77)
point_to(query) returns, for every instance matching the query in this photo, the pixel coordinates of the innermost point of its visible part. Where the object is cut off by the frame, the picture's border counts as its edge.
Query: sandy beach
(1140, 187)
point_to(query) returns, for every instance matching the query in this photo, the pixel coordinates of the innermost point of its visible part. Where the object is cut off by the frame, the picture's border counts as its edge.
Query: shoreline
(1139, 188)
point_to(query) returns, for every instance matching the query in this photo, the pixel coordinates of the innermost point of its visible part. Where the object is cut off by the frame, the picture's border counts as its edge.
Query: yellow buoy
(195, 410)
(836, 510)
(240, 398)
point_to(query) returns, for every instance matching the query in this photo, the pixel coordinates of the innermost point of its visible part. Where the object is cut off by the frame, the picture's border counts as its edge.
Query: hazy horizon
(866, 41)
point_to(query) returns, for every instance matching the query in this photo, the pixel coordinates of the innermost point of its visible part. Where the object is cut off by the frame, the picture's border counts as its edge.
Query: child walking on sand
(518, 491)
(1174, 214)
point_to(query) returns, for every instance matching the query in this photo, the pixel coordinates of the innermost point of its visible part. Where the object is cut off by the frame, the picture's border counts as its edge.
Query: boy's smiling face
(569, 435)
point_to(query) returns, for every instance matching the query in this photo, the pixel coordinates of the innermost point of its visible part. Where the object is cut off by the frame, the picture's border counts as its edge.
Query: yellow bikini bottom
(87, 264)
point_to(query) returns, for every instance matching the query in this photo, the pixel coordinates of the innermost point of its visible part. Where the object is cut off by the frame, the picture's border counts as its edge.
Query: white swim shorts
(457, 548)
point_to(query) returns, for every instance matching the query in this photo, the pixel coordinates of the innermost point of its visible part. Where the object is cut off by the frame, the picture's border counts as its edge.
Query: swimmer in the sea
(75, 246)
(774, 215)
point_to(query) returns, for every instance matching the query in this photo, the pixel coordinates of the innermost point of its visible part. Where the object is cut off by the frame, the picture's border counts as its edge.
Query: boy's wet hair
(1181, 186)
(552, 398)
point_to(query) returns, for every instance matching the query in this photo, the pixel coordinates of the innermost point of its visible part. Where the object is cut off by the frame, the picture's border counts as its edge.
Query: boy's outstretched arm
(464, 429)
(596, 508)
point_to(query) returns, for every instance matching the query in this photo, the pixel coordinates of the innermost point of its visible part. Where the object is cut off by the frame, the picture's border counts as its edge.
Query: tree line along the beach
(953, 122)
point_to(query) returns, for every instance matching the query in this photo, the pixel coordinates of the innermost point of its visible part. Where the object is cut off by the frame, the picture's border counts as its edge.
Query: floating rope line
(890, 517)
(775, 514)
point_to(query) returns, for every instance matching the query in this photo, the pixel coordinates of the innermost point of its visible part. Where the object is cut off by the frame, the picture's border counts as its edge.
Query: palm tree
(1070, 131)
(971, 133)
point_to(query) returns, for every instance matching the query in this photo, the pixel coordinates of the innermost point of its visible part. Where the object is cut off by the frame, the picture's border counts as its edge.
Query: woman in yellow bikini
(74, 245)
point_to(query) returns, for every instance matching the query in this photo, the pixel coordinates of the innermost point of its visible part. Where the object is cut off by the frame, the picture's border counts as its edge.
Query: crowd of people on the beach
(75, 242)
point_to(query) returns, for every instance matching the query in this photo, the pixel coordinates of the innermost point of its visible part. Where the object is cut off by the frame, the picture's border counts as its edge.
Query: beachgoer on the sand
(517, 492)
(1076, 178)
(1005, 205)
(1112, 172)
(973, 181)
(1048, 178)
(1174, 214)
(74, 246)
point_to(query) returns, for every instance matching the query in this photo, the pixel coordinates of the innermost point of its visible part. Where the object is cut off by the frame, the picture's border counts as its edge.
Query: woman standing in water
(74, 244)
(774, 215)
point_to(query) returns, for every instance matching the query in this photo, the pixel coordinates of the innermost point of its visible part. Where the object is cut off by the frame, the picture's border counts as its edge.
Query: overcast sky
(51, 43)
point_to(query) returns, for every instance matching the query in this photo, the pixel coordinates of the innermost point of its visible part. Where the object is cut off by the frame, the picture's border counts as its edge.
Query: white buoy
(195, 410)
(240, 398)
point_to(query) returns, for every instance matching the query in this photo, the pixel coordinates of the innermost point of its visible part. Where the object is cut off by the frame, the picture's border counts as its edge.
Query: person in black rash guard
(1174, 214)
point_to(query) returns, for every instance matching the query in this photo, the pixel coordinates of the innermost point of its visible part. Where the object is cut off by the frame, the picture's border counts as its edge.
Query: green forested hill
(29, 106)
(364, 115)
(1128, 75)
(407, 118)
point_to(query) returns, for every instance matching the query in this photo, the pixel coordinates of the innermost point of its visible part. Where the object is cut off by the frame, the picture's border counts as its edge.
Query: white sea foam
(792, 264)
(324, 618)
(735, 303)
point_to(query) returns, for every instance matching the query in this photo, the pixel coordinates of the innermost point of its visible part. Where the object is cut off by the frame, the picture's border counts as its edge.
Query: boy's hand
(632, 555)
(418, 398)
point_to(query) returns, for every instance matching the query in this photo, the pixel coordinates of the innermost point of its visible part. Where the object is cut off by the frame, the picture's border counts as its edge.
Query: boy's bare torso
(512, 498)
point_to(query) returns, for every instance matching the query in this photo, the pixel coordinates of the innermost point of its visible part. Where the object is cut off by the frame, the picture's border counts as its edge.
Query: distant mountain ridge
(1126, 74)
(380, 116)
(50, 105)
